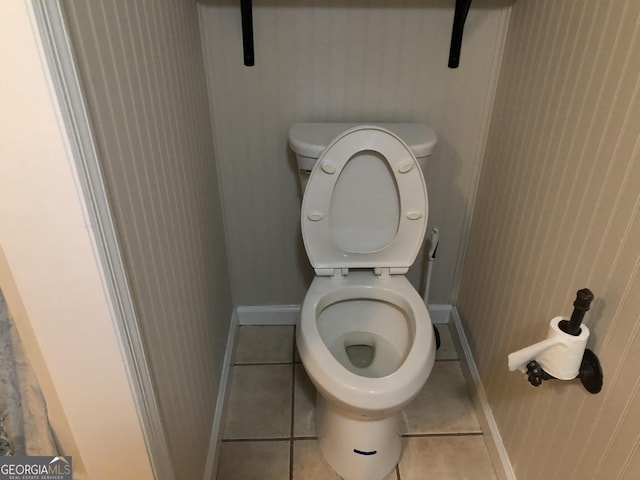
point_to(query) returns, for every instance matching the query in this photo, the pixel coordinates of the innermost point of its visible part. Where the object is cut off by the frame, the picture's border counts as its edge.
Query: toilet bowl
(388, 316)
(365, 336)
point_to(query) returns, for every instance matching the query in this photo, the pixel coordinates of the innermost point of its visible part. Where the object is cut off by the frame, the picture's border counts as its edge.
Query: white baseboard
(289, 314)
(488, 423)
(439, 313)
(268, 315)
(211, 464)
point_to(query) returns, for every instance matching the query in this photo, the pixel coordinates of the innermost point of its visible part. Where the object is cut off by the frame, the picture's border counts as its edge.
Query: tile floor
(269, 431)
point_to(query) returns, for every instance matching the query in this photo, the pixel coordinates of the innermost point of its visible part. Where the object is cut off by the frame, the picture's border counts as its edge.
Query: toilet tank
(309, 140)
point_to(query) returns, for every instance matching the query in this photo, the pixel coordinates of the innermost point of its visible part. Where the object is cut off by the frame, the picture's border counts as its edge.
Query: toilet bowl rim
(330, 375)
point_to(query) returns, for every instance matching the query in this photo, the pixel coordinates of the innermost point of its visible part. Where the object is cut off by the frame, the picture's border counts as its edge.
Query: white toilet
(365, 336)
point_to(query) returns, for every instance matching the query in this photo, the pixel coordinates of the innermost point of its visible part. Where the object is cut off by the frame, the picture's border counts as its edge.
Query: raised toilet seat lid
(365, 205)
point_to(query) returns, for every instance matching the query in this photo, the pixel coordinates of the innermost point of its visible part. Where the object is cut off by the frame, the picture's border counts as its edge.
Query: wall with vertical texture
(142, 69)
(558, 209)
(49, 272)
(336, 60)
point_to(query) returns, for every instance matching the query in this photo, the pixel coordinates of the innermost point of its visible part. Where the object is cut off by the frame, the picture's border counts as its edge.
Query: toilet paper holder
(563, 354)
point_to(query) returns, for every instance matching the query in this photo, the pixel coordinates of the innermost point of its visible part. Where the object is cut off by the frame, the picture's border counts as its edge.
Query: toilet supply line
(434, 241)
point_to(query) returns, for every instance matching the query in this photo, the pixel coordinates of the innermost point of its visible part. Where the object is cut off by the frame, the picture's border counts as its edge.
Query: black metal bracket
(536, 374)
(246, 11)
(590, 373)
(459, 19)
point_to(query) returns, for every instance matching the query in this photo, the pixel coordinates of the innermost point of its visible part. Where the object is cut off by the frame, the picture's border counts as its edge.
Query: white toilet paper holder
(563, 354)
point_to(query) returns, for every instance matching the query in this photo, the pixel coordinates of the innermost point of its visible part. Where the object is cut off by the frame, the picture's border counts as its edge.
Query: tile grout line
(404, 435)
(263, 439)
(447, 434)
(293, 402)
(266, 439)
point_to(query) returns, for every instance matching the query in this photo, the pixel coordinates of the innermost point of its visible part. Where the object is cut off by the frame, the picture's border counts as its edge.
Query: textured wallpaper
(352, 61)
(558, 209)
(143, 75)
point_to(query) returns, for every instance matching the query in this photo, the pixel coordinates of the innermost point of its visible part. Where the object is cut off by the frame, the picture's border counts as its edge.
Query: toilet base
(357, 448)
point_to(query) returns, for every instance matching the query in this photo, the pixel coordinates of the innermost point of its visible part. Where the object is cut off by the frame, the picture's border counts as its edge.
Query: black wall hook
(459, 19)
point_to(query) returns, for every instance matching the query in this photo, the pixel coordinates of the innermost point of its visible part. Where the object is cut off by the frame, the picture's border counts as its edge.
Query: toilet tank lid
(311, 139)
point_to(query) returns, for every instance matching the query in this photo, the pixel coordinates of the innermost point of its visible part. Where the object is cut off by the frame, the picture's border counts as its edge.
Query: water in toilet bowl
(360, 356)
(366, 354)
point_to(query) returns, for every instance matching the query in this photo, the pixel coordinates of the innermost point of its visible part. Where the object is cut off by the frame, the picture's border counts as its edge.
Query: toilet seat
(346, 223)
(334, 380)
(364, 216)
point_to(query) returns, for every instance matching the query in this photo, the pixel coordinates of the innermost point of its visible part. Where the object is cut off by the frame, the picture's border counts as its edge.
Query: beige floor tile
(446, 458)
(264, 344)
(443, 405)
(304, 418)
(254, 461)
(259, 402)
(447, 350)
(308, 463)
